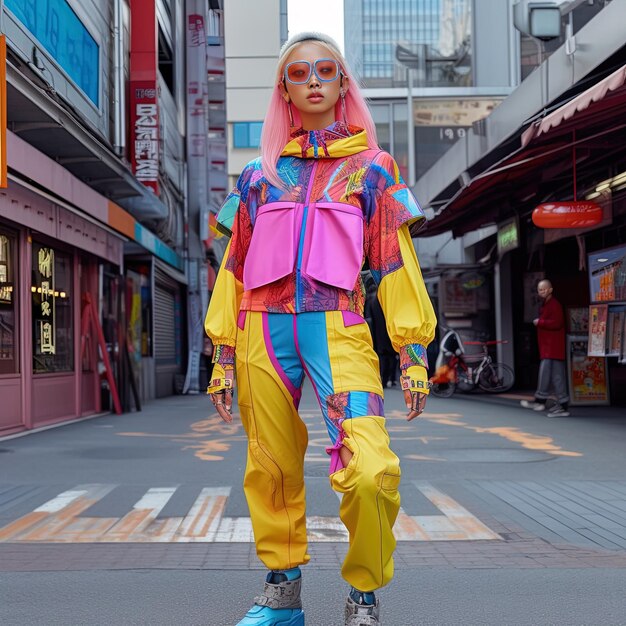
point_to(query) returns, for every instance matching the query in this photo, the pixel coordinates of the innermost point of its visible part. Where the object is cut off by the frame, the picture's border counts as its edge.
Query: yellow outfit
(274, 334)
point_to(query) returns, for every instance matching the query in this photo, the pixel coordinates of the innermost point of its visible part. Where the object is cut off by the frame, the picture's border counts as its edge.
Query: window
(65, 38)
(247, 134)
(166, 61)
(53, 327)
(8, 294)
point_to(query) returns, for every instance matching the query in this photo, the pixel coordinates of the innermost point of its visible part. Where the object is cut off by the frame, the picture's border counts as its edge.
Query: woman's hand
(415, 403)
(221, 391)
(416, 387)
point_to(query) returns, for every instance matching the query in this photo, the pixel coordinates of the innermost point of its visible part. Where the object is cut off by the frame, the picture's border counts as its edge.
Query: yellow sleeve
(409, 313)
(220, 322)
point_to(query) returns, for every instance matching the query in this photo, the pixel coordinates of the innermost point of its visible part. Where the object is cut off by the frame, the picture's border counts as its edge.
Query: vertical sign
(144, 110)
(3, 111)
(145, 133)
(47, 331)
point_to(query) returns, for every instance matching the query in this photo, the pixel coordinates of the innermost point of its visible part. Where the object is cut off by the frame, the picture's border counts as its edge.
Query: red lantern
(573, 214)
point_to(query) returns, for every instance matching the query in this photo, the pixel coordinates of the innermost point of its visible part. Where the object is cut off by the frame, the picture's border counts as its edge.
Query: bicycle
(460, 372)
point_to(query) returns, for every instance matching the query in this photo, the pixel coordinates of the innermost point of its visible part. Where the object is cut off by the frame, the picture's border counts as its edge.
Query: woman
(288, 301)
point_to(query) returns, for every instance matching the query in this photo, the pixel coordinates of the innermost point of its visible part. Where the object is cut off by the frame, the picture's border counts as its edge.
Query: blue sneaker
(279, 604)
(264, 616)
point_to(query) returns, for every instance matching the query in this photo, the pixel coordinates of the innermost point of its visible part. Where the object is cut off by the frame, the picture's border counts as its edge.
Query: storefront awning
(580, 103)
(591, 133)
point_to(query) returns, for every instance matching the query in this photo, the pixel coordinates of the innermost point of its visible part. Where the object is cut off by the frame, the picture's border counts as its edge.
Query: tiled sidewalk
(520, 551)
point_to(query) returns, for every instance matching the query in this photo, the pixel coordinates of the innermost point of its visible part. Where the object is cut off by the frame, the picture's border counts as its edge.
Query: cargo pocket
(390, 482)
(274, 244)
(333, 244)
(263, 474)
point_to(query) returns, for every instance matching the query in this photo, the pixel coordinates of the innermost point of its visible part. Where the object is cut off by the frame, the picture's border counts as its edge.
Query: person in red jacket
(551, 339)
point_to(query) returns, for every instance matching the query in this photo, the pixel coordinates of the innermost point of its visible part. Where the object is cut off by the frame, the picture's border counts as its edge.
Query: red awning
(594, 94)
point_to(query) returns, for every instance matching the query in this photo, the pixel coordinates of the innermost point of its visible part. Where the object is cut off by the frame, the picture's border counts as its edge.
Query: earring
(290, 114)
(342, 93)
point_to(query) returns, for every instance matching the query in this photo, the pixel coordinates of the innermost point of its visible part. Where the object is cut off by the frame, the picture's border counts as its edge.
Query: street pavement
(508, 517)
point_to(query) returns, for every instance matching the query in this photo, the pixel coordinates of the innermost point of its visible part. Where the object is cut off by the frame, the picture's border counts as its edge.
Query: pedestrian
(551, 339)
(288, 301)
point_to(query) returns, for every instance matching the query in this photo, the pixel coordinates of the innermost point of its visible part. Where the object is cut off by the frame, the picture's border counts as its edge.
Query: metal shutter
(164, 324)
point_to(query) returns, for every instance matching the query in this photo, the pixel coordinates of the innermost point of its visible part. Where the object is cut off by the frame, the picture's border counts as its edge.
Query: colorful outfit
(289, 301)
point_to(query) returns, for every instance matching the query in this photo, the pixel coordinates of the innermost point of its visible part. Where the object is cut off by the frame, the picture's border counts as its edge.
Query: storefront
(61, 245)
(49, 260)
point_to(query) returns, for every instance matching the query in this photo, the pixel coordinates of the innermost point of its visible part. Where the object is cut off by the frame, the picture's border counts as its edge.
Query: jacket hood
(337, 140)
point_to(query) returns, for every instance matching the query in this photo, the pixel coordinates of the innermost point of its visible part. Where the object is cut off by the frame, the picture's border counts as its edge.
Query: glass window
(380, 115)
(439, 33)
(53, 324)
(247, 134)
(8, 294)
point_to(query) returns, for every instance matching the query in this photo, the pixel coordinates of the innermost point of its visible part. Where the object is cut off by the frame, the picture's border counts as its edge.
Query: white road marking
(205, 522)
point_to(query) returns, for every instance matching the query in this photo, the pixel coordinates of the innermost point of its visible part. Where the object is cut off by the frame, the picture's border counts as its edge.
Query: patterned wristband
(224, 355)
(413, 354)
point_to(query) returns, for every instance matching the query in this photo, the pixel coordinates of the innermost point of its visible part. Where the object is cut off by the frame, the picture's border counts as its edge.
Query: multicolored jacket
(301, 248)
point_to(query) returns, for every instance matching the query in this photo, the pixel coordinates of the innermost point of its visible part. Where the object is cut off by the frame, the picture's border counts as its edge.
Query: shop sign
(65, 38)
(455, 298)
(472, 280)
(45, 289)
(574, 214)
(451, 113)
(508, 236)
(144, 128)
(6, 287)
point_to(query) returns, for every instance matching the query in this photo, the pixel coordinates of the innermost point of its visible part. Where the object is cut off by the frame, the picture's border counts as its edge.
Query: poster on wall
(532, 301)
(456, 297)
(587, 375)
(598, 314)
(607, 275)
(615, 330)
(578, 320)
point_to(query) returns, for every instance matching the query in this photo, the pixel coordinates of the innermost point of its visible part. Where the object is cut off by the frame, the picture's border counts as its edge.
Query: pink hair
(276, 127)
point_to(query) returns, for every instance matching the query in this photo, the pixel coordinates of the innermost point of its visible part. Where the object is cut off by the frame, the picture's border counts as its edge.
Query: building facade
(96, 228)
(254, 34)
(558, 138)
(449, 63)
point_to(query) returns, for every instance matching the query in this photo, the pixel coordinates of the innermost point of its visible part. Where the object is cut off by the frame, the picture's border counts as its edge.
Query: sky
(321, 15)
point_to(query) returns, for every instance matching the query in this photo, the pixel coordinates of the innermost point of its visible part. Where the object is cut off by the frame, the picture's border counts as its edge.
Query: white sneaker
(535, 406)
(557, 411)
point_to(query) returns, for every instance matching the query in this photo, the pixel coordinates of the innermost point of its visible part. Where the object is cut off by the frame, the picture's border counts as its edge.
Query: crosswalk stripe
(60, 521)
(203, 519)
(460, 518)
(144, 512)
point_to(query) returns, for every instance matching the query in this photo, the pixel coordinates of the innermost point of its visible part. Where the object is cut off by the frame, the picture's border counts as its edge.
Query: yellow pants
(274, 352)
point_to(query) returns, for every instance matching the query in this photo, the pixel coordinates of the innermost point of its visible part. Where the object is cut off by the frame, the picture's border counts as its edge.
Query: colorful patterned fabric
(330, 165)
(224, 355)
(413, 354)
(349, 404)
(337, 358)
